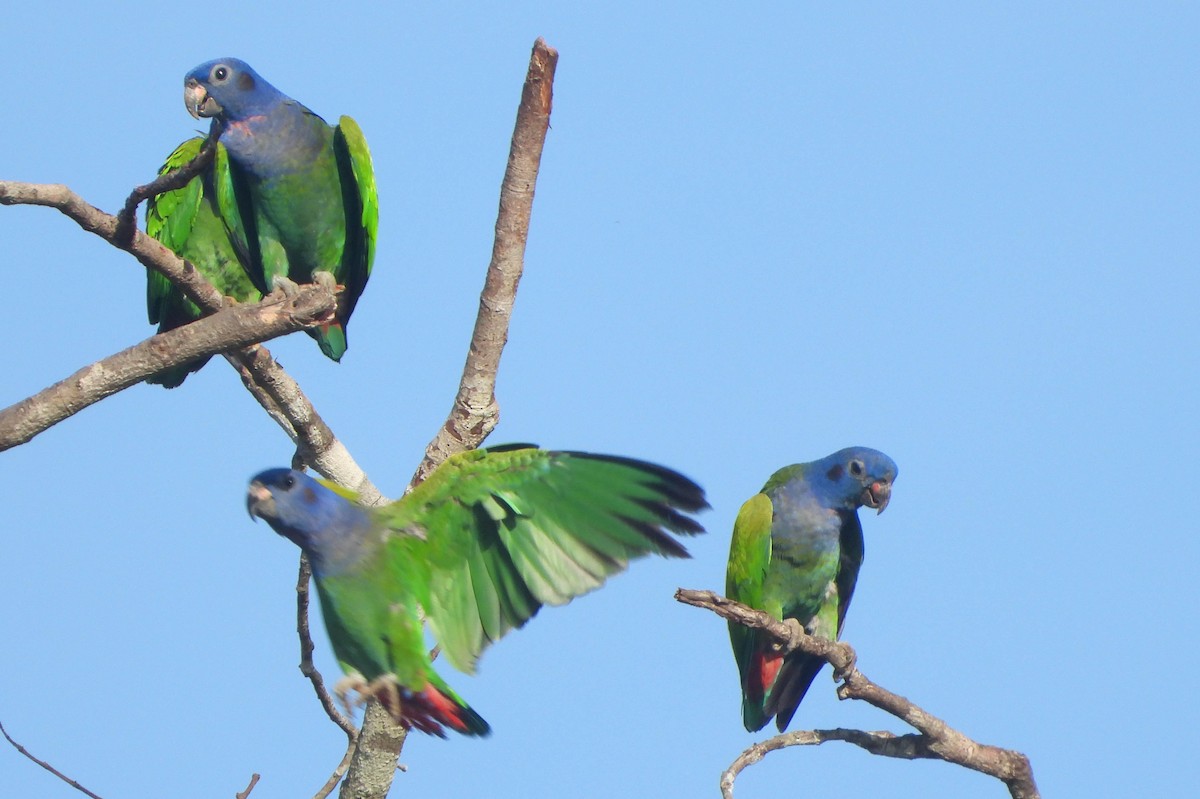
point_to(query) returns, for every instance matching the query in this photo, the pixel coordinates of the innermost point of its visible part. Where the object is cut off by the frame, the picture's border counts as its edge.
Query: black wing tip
(683, 492)
(661, 543)
(672, 519)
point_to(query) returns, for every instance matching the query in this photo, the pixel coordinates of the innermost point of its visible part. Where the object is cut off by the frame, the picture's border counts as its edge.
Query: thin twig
(175, 179)
(908, 747)
(937, 739)
(46, 765)
(306, 650)
(337, 774)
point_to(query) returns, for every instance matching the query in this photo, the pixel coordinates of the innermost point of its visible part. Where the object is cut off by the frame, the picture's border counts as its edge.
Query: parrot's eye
(857, 468)
(220, 73)
(289, 481)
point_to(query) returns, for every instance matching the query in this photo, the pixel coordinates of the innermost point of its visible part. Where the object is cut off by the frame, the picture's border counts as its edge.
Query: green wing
(362, 204)
(493, 535)
(188, 222)
(169, 219)
(745, 577)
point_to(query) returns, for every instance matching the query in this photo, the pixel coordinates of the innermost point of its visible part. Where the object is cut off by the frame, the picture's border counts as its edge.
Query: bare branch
(279, 394)
(46, 765)
(306, 649)
(149, 253)
(337, 774)
(286, 403)
(376, 754)
(175, 179)
(230, 328)
(937, 739)
(473, 416)
(244, 794)
(314, 676)
(475, 411)
(908, 747)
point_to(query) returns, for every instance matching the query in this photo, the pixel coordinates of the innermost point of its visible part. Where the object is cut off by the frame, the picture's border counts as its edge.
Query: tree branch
(246, 793)
(46, 765)
(278, 393)
(233, 327)
(306, 649)
(175, 179)
(475, 411)
(148, 251)
(474, 414)
(937, 739)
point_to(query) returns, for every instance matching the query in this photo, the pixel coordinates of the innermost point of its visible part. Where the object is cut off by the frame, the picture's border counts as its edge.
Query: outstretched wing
(493, 535)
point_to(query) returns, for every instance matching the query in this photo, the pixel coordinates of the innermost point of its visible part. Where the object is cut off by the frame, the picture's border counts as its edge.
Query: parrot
(795, 553)
(478, 547)
(189, 222)
(304, 191)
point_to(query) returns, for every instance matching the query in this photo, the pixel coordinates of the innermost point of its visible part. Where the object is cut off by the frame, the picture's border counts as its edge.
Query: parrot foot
(326, 280)
(843, 674)
(284, 285)
(342, 689)
(383, 688)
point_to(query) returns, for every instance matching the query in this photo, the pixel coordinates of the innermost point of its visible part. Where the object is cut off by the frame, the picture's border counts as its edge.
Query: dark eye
(220, 73)
(289, 481)
(857, 468)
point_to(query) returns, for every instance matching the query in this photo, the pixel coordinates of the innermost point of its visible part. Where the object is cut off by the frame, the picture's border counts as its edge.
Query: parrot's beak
(259, 501)
(877, 495)
(196, 98)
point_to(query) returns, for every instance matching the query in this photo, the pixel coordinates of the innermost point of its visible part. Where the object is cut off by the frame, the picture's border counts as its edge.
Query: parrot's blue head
(328, 527)
(854, 477)
(229, 88)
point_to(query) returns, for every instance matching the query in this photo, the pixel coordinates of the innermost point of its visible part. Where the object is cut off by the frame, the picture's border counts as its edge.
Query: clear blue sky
(962, 233)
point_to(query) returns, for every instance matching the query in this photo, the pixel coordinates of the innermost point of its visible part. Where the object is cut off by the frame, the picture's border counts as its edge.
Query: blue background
(964, 234)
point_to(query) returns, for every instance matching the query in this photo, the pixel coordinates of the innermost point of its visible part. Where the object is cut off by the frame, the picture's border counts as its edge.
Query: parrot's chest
(805, 555)
(303, 214)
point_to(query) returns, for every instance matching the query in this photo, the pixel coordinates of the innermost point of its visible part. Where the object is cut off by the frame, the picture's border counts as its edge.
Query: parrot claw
(383, 688)
(326, 280)
(343, 687)
(843, 674)
(285, 286)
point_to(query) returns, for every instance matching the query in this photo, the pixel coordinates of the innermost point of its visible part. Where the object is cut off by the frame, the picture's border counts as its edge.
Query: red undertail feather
(766, 669)
(429, 710)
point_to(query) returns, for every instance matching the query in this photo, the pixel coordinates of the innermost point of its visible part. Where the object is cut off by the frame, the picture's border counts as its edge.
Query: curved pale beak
(877, 495)
(259, 501)
(196, 98)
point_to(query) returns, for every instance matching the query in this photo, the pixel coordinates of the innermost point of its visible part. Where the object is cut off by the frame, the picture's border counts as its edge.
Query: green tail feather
(331, 339)
(173, 378)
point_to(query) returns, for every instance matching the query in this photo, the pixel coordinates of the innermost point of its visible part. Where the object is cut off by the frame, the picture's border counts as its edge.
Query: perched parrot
(189, 222)
(796, 550)
(304, 191)
(479, 547)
